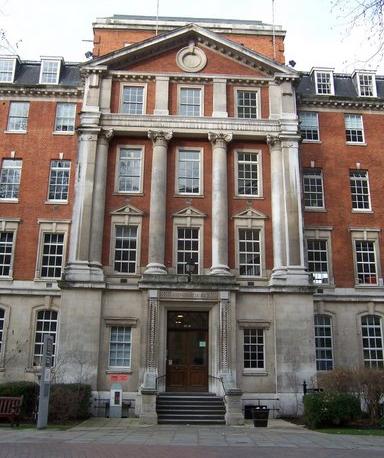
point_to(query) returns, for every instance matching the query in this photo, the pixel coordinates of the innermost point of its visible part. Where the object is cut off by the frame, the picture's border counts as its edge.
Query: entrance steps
(190, 409)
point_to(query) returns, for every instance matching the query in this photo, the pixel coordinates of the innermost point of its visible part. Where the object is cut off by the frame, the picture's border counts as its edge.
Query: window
(248, 174)
(6, 253)
(125, 249)
(187, 247)
(188, 179)
(247, 104)
(360, 190)
(366, 268)
(7, 69)
(18, 117)
(367, 85)
(65, 117)
(249, 252)
(129, 170)
(52, 255)
(46, 323)
(313, 188)
(10, 179)
(120, 347)
(323, 343)
(133, 100)
(59, 180)
(50, 71)
(324, 83)
(354, 131)
(372, 334)
(190, 101)
(309, 125)
(2, 319)
(254, 349)
(317, 253)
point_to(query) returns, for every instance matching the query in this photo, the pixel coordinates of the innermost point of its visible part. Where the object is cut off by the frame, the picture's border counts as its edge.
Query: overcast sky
(316, 36)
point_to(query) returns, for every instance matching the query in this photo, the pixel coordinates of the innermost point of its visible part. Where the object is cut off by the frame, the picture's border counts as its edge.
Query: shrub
(330, 408)
(29, 391)
(69, 401)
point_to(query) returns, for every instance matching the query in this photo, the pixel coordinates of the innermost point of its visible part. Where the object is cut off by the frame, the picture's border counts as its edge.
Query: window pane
(324, 82)
(247, 174)
(190, 102)
(323, 343)
(10, 178)
(125, 249)
(188, 181)
(365, 262)
(129, 179)
(120, 347)
(359, 189)
(59, 180)
(371, 329)
(317, 253)
(187, 248)
(253, 349)
(52, 255)
(354, 128)
(65, 117)
(46, 323)
(6, 70)
(309, 125)
(49, 71)
(18, 116)
(313, 188)
(133, 100)
(247, 104)
(249, 252)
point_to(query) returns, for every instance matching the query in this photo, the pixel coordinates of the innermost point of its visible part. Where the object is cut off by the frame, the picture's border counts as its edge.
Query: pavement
(103, 437)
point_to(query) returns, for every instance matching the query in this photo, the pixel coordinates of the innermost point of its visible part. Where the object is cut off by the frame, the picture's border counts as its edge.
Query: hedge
(329, 409)
(29, 391)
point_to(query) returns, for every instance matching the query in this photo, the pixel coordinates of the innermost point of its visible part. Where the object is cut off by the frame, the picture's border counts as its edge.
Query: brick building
(165, 216)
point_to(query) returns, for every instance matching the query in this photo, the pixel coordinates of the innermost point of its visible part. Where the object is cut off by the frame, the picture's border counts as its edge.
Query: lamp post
(190, 268)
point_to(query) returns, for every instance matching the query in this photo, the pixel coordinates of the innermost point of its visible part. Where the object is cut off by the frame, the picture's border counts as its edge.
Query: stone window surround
(124, 220)
(191, 86)
(259, 154)
(49, 226)
(321, 233)
(251, 221)
(370, 310)
(15, 59)
(117, 169)
(7, 311)
(50, 59)
(10, 225)
(201, 171)
(144, 85)
(265, 325)
(189, 221)
(247, 89)
(367, 234)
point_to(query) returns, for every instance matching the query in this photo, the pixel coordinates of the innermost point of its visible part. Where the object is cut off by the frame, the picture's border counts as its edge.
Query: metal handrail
(221, 380)
(158, 378)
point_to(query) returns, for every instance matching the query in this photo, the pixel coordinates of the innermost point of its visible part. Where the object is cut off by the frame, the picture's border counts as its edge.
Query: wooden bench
(10, 407)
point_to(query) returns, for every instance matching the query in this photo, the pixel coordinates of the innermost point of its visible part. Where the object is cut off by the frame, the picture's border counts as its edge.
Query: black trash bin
(260, 416)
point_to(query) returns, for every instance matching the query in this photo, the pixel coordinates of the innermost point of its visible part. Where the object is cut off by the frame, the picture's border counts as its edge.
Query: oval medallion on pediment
(191, 58)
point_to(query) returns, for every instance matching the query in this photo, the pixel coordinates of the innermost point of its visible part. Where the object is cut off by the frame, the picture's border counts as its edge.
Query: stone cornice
(374, 104)
(35, 91)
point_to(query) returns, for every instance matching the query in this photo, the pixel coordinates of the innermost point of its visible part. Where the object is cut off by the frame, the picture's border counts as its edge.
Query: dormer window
(50, 71)
(366, 83)
(7, 69)
(324, 81)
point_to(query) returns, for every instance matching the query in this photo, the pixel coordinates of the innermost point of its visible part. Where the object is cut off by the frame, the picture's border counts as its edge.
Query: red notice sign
(118, 377)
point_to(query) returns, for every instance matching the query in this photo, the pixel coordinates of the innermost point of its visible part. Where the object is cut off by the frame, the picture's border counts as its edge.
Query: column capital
(220, 137)
(273, 140)
(88, 134)
(107, 134)
(160, 135)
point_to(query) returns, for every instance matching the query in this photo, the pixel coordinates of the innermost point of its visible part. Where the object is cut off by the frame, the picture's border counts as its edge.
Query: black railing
(158, 378)
(221, 381)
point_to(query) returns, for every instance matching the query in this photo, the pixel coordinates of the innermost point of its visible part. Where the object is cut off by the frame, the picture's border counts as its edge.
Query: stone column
(219, 203)
(157, 216)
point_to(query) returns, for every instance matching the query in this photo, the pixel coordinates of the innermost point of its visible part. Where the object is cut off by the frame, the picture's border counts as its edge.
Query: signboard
(118, 377)
(202, 343)
(45, 380)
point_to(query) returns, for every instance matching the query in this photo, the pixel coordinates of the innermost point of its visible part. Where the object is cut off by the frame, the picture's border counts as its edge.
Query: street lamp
(190, 268)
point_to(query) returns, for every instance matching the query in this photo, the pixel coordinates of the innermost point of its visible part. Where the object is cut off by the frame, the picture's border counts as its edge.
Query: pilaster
(161, 98)
(220, 98)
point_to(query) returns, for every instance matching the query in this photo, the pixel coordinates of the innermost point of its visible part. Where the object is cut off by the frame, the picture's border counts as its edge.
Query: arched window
(46, 323)
(2, 319)
(372, 334)
(323, 342)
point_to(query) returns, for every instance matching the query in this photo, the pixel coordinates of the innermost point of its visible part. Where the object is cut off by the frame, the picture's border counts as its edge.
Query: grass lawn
(353, 431)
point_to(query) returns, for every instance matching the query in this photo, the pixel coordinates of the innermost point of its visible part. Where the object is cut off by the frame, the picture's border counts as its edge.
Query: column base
(148, 414)
(234, 413)
(155, 268)
(220, 269)
(289, 276)
(83, 271)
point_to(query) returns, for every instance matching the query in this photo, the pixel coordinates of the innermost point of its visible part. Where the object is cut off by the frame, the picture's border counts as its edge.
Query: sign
(118, 377)
(202, 343)
(45, 380)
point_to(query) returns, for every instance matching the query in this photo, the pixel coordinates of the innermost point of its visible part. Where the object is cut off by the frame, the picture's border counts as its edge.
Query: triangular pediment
(250, 213)
(204, 39)
(189, 212)
(128, 210)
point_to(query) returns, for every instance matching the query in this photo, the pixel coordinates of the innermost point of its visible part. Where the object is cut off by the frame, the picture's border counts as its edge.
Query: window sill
(6, 279)
(255, 373)
(355, 144)
(191, 196)
(23, 132)
(241, 197)
(33, 370)
(368, 286)
(128, 193)
(355, 210)
(123, 370)
(70, 133)
(9, 201)
(318, 142)
(56, 202)
(314, 209)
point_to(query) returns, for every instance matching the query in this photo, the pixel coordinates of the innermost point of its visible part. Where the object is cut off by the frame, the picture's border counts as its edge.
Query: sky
(316, 34)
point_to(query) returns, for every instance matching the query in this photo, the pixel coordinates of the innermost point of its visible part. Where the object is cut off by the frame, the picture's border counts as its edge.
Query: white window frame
(140, 148)
(117, 367)
(259, 163)
(252, 324)
(126, 216)
(26, 117)
(14, 60)
(59, 201)
(35, 313)
(329, 72)
(366, 179)
(201, 162)
(321, 176)
(130, 227)
(314, 114)
(321, 233)
(46, 60)
(52, 227)
(369, 235)
(351, 142)
(180, 87)
(324, 348)
(258, 101)
(368, 361)
(72, 125)
(129, 84)
(358, 74)
(10, 225)
(12, 199)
